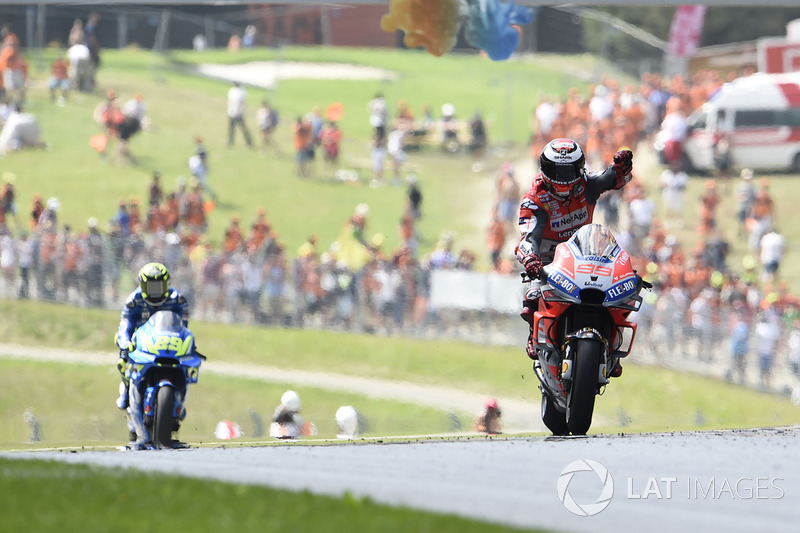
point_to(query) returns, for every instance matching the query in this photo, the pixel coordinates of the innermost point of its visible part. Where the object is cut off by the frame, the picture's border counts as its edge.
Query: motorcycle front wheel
(163, 423)
(580, 403)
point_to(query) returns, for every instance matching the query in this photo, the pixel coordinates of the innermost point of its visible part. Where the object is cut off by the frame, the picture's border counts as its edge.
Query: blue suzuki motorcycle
(161, 367)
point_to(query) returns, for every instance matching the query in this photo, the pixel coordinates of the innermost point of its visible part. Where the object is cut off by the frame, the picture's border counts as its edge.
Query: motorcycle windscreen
(167, 321)
(595, 240)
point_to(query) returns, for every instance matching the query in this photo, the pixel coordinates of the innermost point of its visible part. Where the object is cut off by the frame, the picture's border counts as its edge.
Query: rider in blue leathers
(153, 294)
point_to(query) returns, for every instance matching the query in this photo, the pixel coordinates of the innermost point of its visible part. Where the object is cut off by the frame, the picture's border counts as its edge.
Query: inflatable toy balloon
(490, 26)
(433, 24)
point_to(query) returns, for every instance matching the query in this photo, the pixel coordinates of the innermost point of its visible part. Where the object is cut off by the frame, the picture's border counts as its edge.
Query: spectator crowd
(700, 298)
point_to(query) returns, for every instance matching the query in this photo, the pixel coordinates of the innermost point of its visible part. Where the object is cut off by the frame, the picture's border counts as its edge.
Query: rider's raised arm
(614, 177)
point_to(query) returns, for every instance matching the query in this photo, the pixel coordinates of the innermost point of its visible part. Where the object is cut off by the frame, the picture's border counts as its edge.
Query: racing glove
(623, 165)
(123, 357)
(532, 264)
(122, 361)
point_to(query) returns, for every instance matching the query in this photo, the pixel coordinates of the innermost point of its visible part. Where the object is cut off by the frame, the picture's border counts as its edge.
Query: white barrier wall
(461, 289)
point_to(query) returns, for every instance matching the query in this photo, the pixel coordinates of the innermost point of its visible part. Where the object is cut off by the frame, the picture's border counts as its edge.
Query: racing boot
(616, 371)
(122, 401)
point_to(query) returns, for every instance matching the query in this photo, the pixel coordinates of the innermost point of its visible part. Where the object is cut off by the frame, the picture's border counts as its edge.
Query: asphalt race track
(747, 480)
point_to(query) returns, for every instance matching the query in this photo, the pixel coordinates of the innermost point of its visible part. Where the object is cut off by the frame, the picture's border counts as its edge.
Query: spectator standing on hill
(767, 336)
(739, 335)
(268, 118)
(495, 238)
(771, 252)
(330, 138)
(745, 197)
(13, 67)
(109, 116)
(302, 140)
(91, 41)
(641, 210)
(395, 145)
(377, 115)
(544, 116)
(37, 208)
(721, 150)
(708, 208)
(59, 80)
(25, 263)
(414, 196)
(378, 156)
(8, 203)
(673, 185)
(674, 127)
(478, 140)
(156, 193)
(761, 215)
(123, 218)
(237, 97)
(508, 197)
(198, 166)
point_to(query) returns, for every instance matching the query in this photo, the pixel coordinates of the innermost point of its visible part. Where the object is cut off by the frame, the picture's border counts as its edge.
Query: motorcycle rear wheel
(163, 423)
(580, 403)
(555, 420)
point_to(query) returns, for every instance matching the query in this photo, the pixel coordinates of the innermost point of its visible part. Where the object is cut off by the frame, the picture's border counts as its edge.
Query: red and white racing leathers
(546, 220)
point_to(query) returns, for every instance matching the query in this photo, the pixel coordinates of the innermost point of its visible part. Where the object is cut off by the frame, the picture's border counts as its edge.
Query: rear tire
(555, 420)
(580, 402)
(163, 423)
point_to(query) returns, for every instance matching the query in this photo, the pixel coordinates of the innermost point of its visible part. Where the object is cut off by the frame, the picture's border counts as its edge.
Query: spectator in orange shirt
(37, 208)
(72, 253)
(135, 220)
(59, 80)
(233, 236)
(195, 211)
(302, 146)
(330, 137)
(13, 67)
(156, 221)
(171, 211)
(708, 208)
(259, 230)
(496, 238)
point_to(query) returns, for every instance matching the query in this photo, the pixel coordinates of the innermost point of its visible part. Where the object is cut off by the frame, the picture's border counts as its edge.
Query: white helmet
(561, 163)
(347, 422)
(290, 401)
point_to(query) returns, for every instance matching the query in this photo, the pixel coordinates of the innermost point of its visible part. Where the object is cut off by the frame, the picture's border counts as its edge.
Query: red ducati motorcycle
(581, 328)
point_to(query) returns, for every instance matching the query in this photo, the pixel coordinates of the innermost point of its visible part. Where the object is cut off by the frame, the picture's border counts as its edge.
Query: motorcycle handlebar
(541, 277)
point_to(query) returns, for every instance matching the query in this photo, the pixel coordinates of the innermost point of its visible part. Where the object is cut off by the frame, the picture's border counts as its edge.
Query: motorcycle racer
(153, 294)
(560, 201)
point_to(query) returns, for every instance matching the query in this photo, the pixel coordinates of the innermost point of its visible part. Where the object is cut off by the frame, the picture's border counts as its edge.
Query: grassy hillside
(183, 105)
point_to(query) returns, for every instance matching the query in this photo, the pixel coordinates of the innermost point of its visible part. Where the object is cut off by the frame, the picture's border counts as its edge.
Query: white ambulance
(761, 112)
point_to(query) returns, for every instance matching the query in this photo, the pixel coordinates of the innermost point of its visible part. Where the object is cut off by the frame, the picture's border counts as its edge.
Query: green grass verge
(644, 399)
(41, 496)
(75, 406)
